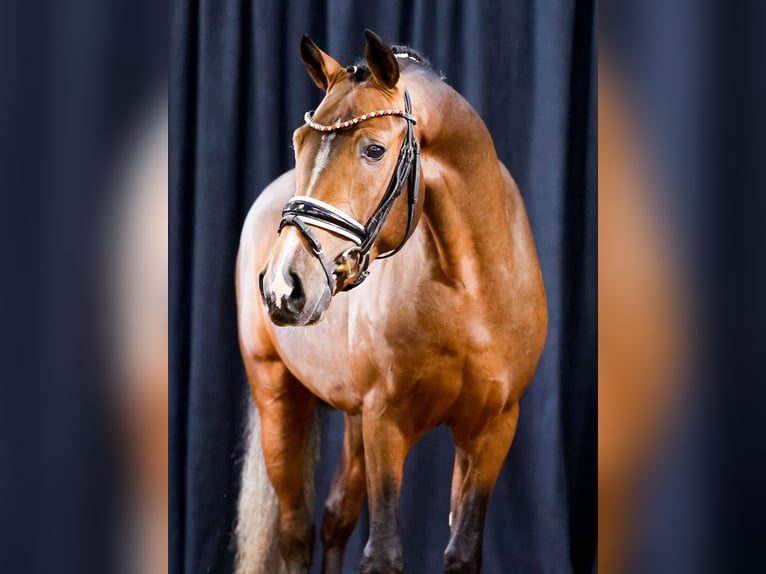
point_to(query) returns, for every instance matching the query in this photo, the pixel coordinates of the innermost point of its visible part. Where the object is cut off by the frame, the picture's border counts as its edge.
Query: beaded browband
(339, 125)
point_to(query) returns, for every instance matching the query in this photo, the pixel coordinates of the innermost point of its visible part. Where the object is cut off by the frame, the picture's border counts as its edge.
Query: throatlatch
(305, 212)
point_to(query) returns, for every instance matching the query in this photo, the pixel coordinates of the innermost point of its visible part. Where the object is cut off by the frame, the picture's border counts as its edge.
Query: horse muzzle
(289, 301)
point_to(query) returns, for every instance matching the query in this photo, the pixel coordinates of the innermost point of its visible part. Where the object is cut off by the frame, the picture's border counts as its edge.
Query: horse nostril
(260, 284)
(297, 298)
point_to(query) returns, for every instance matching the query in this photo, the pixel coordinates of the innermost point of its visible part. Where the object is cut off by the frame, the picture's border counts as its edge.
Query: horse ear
(381, 60)
(321, 67)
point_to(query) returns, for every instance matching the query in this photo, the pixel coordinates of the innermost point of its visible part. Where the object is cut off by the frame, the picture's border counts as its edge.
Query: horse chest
(419, 335)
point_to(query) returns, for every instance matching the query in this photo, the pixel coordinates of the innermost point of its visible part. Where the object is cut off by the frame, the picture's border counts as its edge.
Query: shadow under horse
(447, 331)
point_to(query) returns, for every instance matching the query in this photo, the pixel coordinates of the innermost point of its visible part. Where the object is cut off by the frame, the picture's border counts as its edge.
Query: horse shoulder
(520, 232)
(526, 321)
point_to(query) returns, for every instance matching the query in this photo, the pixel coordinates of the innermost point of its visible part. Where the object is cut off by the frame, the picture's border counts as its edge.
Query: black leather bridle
(305, 212)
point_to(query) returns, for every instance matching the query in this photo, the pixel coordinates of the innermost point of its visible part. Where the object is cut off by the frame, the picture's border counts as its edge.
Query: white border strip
(329, 227)
(329, 207)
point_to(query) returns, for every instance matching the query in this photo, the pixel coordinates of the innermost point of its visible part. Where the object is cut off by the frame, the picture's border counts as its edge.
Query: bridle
(304, 212)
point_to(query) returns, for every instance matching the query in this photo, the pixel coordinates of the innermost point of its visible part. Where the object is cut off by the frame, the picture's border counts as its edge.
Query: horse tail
(257, 509)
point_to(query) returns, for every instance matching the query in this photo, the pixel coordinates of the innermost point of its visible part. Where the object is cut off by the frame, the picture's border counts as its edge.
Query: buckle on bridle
(352, 258)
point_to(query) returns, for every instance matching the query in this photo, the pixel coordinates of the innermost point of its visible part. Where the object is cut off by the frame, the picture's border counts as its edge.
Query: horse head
(353, 157)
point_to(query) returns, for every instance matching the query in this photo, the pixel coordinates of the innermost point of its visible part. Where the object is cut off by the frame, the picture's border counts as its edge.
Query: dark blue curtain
(237, 91)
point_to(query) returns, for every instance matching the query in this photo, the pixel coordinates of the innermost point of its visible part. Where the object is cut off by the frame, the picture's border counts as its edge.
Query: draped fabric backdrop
(238, 89)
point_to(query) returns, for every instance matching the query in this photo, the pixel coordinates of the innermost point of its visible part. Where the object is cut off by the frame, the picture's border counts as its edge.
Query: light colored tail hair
(257, 511)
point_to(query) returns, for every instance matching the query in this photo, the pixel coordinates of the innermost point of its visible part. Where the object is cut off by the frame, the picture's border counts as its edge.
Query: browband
(339, 125)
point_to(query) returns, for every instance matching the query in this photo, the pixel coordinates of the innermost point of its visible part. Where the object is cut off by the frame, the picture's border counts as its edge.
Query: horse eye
(374, 152)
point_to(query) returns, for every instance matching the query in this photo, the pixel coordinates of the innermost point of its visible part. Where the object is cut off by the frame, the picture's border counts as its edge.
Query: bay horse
(447, 331)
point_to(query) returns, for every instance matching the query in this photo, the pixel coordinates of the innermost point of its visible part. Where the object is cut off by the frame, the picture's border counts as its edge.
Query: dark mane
(412, 54)
(360, 72)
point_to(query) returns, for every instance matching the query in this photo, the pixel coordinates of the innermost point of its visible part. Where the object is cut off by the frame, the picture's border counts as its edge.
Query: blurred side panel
(75, 78)
(681, 180)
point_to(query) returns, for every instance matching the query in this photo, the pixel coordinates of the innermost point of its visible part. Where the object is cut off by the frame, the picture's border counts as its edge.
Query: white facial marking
(320, 162)
(279, 286)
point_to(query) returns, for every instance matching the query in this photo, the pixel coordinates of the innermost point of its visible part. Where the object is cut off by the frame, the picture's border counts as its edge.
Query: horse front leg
(387, 441)
(286, 408)
(344, 502)
(479, 459)
(458, 475)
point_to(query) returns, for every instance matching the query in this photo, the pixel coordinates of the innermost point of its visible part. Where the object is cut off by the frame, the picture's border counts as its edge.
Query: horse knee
(343, 507)
(382, 558)
(454, 564)
(336, 527)
(296, 542)
(462, 557)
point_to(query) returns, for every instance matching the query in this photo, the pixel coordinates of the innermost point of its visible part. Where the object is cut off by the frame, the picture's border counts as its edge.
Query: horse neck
(465, 209)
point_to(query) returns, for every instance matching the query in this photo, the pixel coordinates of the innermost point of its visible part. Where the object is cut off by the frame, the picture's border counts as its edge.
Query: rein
(304, 212)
